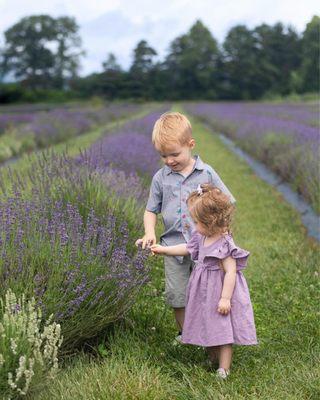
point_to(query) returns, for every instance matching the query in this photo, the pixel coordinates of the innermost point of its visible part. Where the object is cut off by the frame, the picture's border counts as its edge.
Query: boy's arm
(149, 221)
(153, 208)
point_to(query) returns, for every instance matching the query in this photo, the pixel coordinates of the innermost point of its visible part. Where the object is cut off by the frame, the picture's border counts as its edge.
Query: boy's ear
(192, 143)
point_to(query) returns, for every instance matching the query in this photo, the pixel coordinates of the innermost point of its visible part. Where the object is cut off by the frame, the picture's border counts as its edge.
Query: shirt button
(187, 226)
(184, 215)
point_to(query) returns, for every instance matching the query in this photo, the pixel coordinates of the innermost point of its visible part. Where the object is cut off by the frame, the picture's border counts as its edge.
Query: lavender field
(69, 270)
(285, 137)
(67, 233)
(26, 128)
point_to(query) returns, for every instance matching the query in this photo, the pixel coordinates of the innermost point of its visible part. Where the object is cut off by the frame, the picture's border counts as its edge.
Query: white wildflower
(13, 346)
(22, 322)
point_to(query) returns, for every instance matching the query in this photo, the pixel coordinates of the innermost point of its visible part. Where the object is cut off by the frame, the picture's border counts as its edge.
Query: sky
(118, 25)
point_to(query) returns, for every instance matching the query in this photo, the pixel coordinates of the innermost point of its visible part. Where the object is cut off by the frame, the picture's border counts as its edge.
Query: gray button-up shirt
(169, 193)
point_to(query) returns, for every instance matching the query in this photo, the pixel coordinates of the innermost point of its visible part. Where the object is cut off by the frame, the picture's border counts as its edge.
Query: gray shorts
(177, 277)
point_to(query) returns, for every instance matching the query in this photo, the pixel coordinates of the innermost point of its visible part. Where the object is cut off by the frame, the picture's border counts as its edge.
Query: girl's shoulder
(227, 248)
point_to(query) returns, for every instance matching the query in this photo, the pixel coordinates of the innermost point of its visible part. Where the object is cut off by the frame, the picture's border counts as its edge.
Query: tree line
(43, 54)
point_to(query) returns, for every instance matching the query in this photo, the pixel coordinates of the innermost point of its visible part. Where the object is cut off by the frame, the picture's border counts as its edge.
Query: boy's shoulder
(159, 177)
(159, 174)
(208, 169)
(202, 165)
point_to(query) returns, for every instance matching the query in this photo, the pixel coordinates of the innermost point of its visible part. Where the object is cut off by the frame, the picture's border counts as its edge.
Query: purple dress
(204, 325)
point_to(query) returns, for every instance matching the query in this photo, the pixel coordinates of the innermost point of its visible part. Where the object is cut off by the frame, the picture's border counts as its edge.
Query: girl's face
(200, 227)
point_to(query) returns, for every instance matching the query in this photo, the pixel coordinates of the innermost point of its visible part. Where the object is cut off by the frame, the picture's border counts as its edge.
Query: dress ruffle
(225, 248)
(193, 245)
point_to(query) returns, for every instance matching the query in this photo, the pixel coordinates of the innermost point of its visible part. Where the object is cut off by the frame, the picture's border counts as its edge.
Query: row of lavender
(283, 136)
(67, 240)
(22, 131)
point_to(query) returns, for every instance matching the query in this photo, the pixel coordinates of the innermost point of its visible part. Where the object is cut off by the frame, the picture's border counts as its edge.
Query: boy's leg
(177, 277)
(179, 316)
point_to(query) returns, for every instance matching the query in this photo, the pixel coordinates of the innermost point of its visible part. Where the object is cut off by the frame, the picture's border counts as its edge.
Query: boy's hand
(158, 249)
(224, 306)
(146, 241)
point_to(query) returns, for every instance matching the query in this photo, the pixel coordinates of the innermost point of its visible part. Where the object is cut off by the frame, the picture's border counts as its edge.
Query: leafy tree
(141, 70)
(240, 64)
(192, 61)
(111, 80)
(26, 53)
(29, 50)
(67, 57)
(111, 64)
(310, 68)
(279, 54)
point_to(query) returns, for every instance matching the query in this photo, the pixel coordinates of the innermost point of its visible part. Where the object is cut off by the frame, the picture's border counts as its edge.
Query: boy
(170, 187)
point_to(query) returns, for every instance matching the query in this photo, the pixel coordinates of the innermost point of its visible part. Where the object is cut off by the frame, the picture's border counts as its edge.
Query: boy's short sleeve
(155, 196)
(217, 181)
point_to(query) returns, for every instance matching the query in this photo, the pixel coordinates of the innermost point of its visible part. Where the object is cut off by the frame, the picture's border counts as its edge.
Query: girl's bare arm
(178, 250)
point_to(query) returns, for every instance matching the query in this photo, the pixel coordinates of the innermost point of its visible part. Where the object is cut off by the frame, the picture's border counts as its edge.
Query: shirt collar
(198, 165)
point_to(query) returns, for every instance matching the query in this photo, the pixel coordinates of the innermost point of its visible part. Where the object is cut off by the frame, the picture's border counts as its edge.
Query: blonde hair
(171, 127)
(212, 208)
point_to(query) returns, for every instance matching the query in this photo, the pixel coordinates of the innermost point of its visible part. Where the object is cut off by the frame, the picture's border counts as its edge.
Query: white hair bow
(199, 190)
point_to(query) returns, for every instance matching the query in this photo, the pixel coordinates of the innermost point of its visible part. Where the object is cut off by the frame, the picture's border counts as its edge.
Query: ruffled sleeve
(229, 248)
(193, 245)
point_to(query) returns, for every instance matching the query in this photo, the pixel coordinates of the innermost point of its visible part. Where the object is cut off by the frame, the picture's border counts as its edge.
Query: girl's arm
(229, 266)
(178, 250)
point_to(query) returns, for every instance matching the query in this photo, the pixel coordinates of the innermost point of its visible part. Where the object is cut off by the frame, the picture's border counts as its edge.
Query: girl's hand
(158, 249)
(224, 306)
(146, 241)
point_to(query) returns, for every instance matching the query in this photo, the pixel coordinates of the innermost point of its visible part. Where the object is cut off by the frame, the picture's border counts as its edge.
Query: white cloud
(117, 25)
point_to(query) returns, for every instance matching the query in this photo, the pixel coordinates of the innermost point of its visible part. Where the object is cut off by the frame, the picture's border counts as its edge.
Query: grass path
(139, 360)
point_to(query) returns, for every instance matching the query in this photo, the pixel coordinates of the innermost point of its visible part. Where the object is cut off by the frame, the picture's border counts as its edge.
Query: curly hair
(212, 208)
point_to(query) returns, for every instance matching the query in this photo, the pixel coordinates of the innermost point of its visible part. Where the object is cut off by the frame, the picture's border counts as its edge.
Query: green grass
(136, 360)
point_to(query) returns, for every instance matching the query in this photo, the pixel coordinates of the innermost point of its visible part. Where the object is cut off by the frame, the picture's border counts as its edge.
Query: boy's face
(176, 156)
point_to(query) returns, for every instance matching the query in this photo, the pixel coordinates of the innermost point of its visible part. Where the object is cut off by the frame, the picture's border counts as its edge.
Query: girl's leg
(225, 356)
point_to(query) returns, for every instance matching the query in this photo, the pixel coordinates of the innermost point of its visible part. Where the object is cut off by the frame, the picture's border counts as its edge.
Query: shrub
(28, 346)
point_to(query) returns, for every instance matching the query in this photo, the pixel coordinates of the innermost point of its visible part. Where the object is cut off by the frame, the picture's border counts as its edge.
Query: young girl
(218, 308)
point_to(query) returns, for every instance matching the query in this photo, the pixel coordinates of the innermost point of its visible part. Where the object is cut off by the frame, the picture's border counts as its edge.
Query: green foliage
(265, 61)
(310, 66)
(191, 63)
(12, 144)
(140, 74)
(28, 56)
